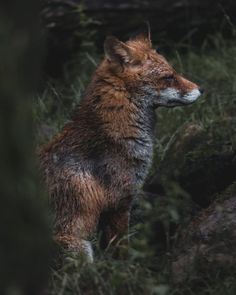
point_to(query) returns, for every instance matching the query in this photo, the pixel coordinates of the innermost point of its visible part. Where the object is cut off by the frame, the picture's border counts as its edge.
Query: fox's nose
(201, 90)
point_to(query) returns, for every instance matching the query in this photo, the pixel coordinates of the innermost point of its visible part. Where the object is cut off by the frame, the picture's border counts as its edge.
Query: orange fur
(96, 165)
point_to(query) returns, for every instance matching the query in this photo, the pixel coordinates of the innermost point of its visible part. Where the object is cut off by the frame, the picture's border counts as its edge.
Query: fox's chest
(141, 154)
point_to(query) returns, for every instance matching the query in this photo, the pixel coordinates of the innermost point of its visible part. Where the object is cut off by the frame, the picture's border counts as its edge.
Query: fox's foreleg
(114, 226)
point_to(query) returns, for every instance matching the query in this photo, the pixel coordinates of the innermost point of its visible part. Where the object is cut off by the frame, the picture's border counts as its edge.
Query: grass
(106, 276)
(148, 269)
(214, 70)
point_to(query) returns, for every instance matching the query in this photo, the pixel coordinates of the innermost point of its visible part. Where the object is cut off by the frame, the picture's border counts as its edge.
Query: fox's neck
(120, 113)
(115, 116)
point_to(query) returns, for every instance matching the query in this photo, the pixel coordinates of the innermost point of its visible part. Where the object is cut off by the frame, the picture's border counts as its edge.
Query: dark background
(180, 22)
(44, 43)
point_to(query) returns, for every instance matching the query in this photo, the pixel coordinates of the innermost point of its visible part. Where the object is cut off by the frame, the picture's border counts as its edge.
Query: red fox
(96, 165)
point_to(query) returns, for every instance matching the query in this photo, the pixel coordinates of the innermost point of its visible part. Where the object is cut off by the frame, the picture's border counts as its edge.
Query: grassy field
(148, 269)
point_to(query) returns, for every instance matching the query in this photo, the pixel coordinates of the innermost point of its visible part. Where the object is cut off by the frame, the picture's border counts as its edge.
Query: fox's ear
(144, 38)
(144, 35)
(117, 51)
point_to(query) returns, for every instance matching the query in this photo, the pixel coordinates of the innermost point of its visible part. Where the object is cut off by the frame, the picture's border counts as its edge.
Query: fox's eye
(136, 63)
(169, 78)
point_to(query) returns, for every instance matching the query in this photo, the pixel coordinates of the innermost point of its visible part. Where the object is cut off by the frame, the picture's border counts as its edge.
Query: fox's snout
(181, 92)
(201, 90)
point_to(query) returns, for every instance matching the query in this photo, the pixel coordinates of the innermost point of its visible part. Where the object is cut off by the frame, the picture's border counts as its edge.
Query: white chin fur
(192, 95)
(172, 97)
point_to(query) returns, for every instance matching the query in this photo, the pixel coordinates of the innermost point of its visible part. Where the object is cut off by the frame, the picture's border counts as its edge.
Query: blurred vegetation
(69, 25)
(69, 33)
(24, 231)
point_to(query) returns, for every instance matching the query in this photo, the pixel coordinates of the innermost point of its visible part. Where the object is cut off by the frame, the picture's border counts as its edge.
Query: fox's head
(146, 74)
